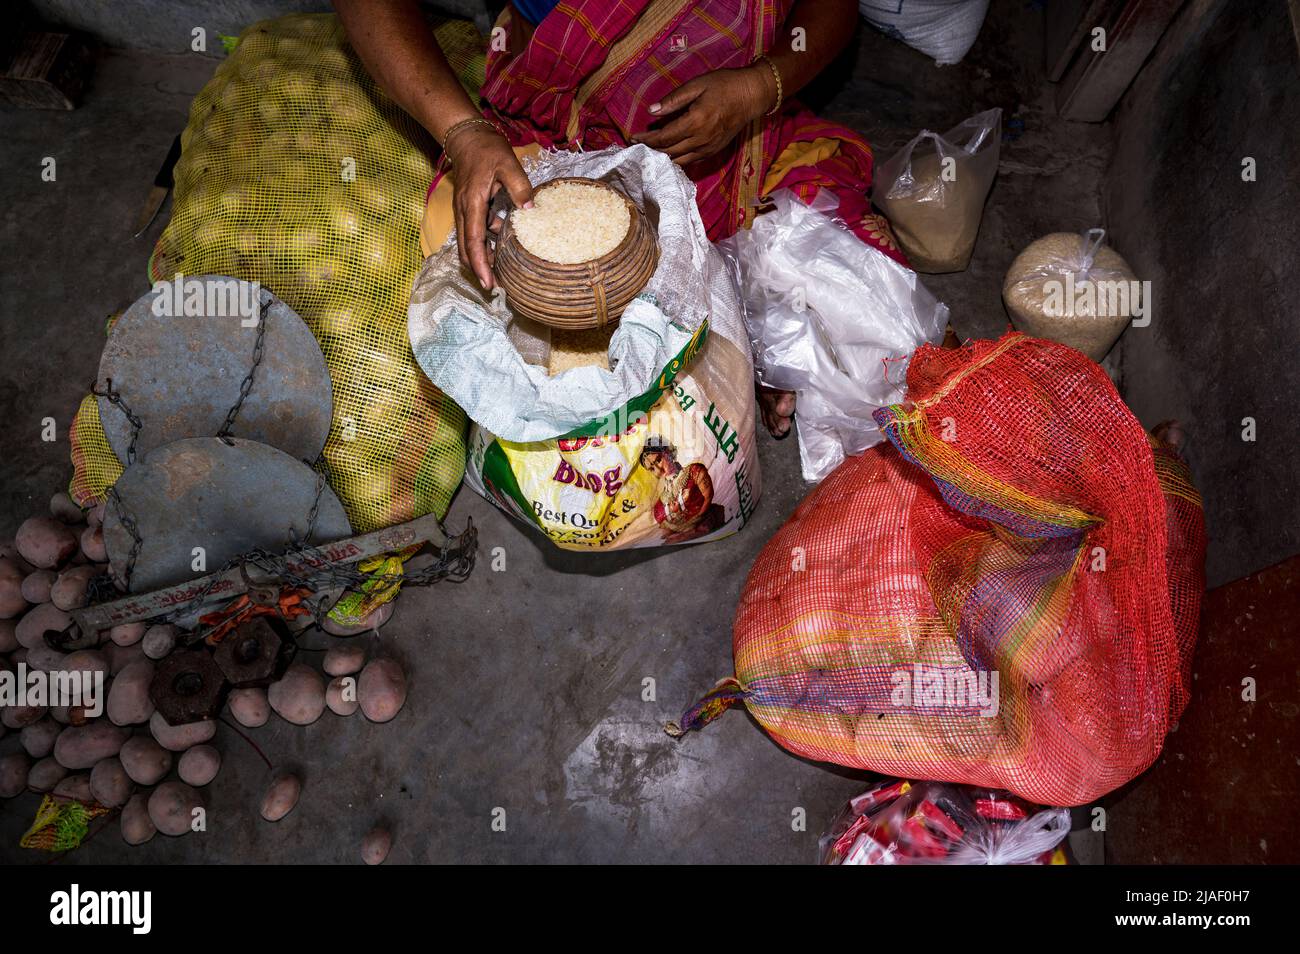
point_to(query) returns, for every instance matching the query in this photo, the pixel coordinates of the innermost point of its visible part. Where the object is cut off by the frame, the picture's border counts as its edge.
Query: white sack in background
(943, 29)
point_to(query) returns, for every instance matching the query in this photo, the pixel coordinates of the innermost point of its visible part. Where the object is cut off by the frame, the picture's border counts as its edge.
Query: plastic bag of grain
(1068, 287)
(933, 191)
(639, 437)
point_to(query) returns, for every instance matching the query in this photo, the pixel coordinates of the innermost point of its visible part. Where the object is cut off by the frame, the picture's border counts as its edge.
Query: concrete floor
(526, 684)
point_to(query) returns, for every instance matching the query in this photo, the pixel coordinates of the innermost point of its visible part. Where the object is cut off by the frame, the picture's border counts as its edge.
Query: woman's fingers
(683, 95)
(474, 227)
(686, 147)
(516, 183)
(664, 139)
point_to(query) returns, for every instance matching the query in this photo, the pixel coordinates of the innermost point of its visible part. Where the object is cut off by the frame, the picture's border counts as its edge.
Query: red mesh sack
(1020, 528)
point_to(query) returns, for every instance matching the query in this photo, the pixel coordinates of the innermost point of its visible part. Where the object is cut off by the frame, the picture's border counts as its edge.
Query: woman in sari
(712, 83)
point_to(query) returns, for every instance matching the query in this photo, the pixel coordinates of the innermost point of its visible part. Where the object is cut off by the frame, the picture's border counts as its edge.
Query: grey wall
(1224, 259)
(165, 25)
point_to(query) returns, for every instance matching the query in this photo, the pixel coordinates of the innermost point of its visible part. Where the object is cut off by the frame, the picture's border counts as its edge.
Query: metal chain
(245, 386)
(115, 398)
(322, 469)
(128, 523)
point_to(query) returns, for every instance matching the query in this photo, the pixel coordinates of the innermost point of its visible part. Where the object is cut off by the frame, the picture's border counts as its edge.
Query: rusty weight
(255, 653)
(188, 686)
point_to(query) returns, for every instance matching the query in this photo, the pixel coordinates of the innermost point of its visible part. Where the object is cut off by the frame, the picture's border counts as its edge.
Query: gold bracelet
(780, 87)
(472, 121)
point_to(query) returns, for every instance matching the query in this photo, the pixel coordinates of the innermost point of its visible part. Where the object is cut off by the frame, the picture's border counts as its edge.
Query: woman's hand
(483, 162)
(713, 109)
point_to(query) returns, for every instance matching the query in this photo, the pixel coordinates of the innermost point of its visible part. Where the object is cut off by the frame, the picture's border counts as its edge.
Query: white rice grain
(571, 222)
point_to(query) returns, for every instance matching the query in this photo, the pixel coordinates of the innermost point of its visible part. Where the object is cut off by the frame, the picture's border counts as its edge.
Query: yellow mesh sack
(298, 172)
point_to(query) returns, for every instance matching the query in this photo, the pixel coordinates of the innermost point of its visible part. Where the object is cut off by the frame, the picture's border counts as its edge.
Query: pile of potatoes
(298, 172)
(126, 755)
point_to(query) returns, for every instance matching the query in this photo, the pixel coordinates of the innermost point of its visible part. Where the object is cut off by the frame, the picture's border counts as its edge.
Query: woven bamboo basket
(583, 295)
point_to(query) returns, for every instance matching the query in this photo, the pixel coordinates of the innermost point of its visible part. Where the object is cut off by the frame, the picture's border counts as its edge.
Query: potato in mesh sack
(299, 173)
(1006, 594)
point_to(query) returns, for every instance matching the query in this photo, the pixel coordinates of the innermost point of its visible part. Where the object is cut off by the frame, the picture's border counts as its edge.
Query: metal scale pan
(226, 498)
(180, 374)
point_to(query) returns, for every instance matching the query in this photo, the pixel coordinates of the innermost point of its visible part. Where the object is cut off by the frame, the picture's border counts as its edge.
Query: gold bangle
(780, 87)
(472, 121)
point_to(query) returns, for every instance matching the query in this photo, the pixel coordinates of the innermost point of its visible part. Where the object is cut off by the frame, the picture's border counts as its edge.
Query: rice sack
(642, 435)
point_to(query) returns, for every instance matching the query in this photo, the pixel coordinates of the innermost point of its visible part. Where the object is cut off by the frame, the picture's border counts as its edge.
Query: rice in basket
(571, 223)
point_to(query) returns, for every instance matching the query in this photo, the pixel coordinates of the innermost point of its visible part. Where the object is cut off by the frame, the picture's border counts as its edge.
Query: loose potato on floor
(199, 765)
(46, 774)
(17, 717)
(127, 634)
(74, 788)
(68, 591)
(12, 603)
(281, 797)
(381, 691)
(36, 586)
(345, 659)
(375, 846)
(128, 695)
(145, 761)
(137, 828)
(178, 738)
(64, 509)
(45, 542)
(171, 807)
(92, 544)
(159, 641)
(80, 747)
(46, 618)
(341, 695)
(109, 783)
(14, 768)
(86, 660)
(249, 706)
(38, 738)
(372, 621)
(299, 697)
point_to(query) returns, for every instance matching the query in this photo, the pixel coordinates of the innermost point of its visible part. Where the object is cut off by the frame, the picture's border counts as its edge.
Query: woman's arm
(720, 104)
(828, 26)
(399, 50)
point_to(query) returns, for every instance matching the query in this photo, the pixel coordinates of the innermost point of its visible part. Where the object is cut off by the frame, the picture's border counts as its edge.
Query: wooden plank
(46, 71)
(1068, 26)
(1224, 789)
(1096, 80)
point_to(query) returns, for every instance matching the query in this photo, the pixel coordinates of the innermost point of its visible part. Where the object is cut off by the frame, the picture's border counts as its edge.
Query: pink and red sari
(592, 68)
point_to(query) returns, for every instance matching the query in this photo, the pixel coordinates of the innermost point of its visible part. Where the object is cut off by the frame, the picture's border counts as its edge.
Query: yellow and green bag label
(675, 465)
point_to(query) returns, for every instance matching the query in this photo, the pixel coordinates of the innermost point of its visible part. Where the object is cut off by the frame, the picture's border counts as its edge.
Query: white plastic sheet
(831, 319)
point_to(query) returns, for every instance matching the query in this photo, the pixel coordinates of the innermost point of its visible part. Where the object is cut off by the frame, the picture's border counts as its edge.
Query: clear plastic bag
(832, 319)
(934, 197)
(935, 823)
(1072, 288)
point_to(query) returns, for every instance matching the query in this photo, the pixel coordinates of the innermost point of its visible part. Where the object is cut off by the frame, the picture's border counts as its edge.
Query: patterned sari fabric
(592, 68)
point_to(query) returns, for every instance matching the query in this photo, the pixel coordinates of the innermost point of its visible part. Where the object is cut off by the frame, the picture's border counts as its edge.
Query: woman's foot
(1171, 433)
(778, 410)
